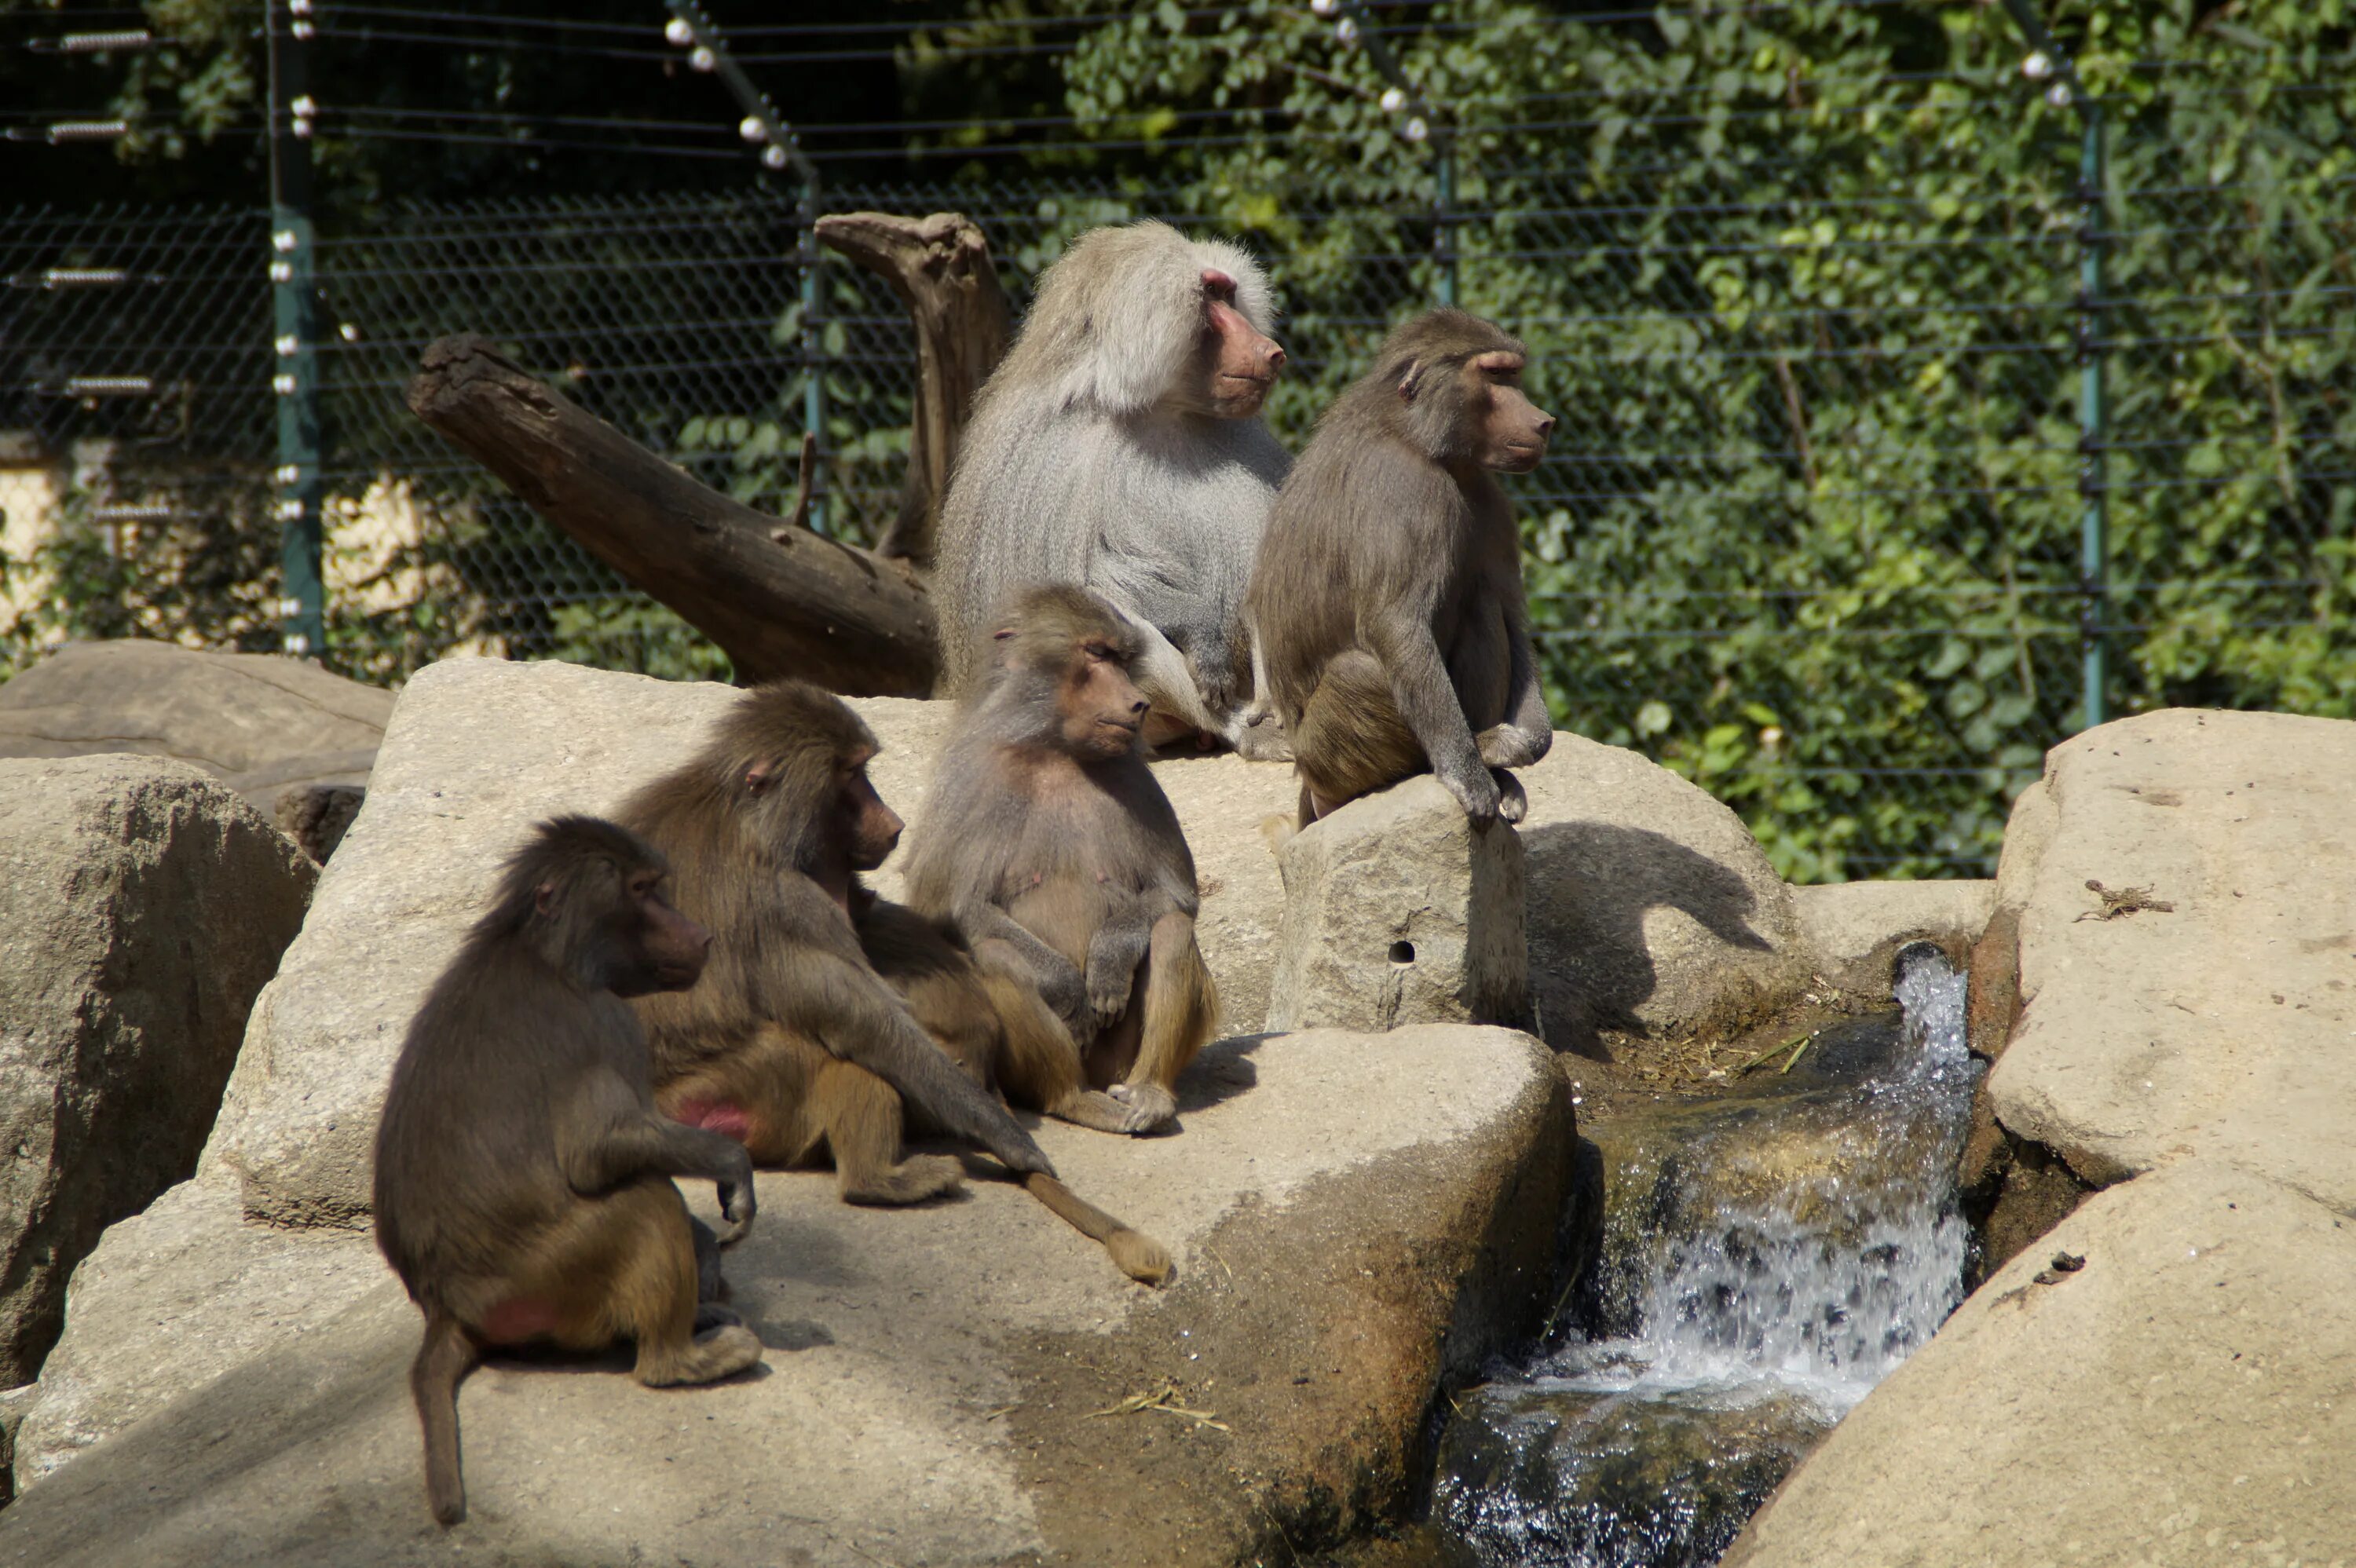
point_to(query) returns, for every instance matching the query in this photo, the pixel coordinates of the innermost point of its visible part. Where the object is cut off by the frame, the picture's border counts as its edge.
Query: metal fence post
(1443, 225)
(299, 487)
(2049, 60)
(813, 350)
(2094, 434)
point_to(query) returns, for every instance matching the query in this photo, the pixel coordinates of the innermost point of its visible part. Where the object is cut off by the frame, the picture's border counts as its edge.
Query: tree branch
(940, 268)
(778, 602)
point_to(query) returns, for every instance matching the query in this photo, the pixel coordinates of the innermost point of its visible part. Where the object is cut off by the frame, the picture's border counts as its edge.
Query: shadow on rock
(1591, 966)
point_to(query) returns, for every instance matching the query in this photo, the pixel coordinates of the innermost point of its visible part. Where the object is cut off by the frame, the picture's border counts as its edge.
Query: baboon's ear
(544, 897)
(760, 776)
(1411, 381)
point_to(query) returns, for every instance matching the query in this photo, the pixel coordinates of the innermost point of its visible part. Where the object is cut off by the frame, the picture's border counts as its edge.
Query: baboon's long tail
(445, 1357)
(1137, 1255)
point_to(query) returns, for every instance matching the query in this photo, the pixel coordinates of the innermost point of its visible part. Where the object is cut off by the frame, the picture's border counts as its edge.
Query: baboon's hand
(736, 1205)
(1503, 746)
(1109, 990)
(1150, 1105)
(1477, 792)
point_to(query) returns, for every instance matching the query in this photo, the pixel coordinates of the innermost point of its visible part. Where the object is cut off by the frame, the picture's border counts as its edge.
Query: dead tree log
(940, 268)
(777, 600)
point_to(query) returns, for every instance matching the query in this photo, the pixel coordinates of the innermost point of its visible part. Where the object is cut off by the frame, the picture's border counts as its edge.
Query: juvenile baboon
(1119, 446)
(992, 1020)
(793, 1045)
(1047, 841)
(1394, 634)
(523, 1176)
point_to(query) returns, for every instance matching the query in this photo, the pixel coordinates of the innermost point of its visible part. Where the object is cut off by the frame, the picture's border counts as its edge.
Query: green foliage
(1802, 281)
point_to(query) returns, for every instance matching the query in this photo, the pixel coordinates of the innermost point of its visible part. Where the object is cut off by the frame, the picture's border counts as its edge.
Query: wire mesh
(1809, 532)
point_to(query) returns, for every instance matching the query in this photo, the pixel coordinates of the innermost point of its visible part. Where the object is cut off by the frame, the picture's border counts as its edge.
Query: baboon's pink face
(1235, 363)
(1514, 429)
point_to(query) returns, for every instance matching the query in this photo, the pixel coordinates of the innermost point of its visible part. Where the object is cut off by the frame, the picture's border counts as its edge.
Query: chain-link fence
(1813, 530)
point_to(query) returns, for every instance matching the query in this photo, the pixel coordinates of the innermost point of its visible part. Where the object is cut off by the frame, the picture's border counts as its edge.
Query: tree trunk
(940, 268)
(778, 600)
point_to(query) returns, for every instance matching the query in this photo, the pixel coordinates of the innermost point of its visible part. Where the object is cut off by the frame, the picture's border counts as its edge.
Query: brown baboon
(523, 1184)
(992, 1021)
(793, 1045)
(1395, 638)
(1119, 446)
(1048, 842)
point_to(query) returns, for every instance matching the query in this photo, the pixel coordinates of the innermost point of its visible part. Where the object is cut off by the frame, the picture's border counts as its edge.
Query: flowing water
(1767, 1258)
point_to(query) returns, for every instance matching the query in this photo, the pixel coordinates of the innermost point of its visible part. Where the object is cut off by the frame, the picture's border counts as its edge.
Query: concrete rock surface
(2187, 1399)
(256, 722)
(1653, 910)
(147, 904)
(1355, 1220)
(2223, 1026)
(1397, 912)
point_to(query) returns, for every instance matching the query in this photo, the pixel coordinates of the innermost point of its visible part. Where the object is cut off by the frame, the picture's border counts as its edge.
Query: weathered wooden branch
(777, 602)
(940, 268)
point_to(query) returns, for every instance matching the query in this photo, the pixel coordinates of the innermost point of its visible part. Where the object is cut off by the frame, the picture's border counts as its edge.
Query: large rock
(258, 722)
(2223, 1026)
(147, 904)
(1397, 912)
(1653, 910)
(2187, 1397)
(1355, 1220)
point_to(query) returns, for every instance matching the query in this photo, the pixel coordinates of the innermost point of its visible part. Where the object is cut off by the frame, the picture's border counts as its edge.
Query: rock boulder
(1653, 910)
(1357, 1221)
(2220, 1025)
(1397, 912)
(146, 906)
(257, 722)
(2181, 1399)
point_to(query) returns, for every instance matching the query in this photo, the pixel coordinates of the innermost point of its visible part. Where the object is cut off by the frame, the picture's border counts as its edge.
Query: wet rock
(1553, 1476)
(1807, 1148)
(257, 722)
(1653, 910)
(147, 904)
(2181, 1399)
(1354, 1218)
(2217, 1026)
(1397, 912)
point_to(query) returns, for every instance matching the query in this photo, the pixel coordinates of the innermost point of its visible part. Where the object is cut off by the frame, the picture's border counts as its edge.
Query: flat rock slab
(257, 722)
(1352, 1216)
(2185, 1399)
(2224, 1026)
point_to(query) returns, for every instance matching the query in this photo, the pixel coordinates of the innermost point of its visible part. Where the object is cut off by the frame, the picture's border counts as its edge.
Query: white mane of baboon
(1076, 469)
(1101, 332)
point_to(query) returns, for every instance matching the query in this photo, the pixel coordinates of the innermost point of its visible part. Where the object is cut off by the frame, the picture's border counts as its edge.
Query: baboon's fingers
(1096, 1110)
(1150, 1105)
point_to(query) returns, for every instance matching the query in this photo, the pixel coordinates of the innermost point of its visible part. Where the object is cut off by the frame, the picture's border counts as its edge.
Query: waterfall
(1739, 1319)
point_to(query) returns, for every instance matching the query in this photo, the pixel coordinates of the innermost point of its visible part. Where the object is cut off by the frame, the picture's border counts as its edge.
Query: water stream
(1768, 1257)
